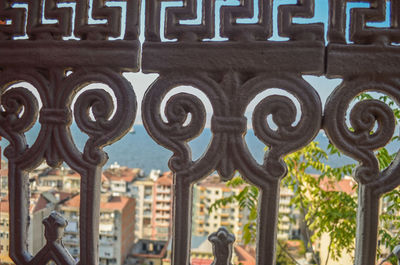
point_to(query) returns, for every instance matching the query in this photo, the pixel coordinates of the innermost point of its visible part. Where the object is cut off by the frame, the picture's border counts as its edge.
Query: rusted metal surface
(230, 73)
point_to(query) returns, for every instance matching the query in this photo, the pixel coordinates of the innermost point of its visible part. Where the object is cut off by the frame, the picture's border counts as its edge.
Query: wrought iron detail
(58, 69)
(222, 242)
(230, 73)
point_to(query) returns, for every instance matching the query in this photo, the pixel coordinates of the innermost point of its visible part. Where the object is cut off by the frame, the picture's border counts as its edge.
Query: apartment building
(211, 189)
(4, 232)
(288, 225)
(62, 178)
(206, 193)
(201, 252)
(41, 207)
(142, 190)
(162, 207)
(121, 179)
(3, 182)
(117, 224)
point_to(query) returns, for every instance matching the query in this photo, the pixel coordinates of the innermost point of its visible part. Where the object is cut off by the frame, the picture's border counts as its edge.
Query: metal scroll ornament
(231, 74)
(369, 64)
(58, 70)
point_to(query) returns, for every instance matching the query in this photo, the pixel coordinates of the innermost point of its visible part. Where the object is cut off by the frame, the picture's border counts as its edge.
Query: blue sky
(141, 81)
(323, 85)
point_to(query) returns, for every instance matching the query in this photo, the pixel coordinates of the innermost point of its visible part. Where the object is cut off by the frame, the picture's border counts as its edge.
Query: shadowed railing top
(231, 73)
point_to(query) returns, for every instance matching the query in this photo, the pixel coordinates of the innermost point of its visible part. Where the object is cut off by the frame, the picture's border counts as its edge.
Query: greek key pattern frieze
(60, 58)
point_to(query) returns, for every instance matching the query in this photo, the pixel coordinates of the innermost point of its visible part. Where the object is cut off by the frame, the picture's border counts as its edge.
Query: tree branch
(288, 253)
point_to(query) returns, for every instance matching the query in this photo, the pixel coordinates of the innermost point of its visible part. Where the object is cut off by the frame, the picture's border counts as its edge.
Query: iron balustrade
(230, 73)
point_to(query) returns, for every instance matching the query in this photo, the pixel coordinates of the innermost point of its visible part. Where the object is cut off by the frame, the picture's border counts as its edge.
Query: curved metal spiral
(100, 104)
(19, 115)
(174, 133)
(104, 129)
(362, 140)
(287, 137)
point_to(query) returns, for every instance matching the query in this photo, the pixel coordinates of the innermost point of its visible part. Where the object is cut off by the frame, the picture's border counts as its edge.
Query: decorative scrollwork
(173, 134)
(20, 109)
(361, 142)
(19, 115)
(55, 143)
(287, 137)
(42, 60)
(227, 151)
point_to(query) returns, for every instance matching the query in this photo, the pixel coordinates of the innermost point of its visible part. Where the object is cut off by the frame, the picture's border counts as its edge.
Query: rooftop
(122, 173)
(114, 203)
(4, 205)
(50, 197)
(165, 179)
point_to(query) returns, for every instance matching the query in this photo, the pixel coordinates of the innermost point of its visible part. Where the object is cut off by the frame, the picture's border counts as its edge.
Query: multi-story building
(142, 191)
(3, 182)
(121, 179)
(162, 207)
(117, 225)
(148, 252)
(72, 182)
(41, 207)
(4, 232)
(205, 194)
(58, 179)
(288, 225)
(211, 189)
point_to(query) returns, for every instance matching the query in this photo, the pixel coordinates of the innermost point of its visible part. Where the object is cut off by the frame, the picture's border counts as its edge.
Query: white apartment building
(211, 189)
(205, 193)
(142, 190)
(121, 179)
(288, 225)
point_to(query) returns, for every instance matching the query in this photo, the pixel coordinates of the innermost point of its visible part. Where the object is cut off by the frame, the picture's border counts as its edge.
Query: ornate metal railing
(230, 73)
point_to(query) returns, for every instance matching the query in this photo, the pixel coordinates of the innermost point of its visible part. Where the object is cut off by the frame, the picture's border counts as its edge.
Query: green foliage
(326, 210)
(246, 199)
(325, 207)
(282, 256)
(390, 216)
(390, 221)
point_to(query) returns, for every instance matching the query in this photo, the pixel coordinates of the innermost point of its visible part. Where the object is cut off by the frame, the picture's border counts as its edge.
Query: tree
(324, 208)
(308, 194)
(283, 257)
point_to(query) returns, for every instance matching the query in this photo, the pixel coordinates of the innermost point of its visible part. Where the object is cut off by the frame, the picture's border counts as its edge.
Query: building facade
(143, 189)
(205, 194)
(117, 224)
(4, 231)
(162, 207)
